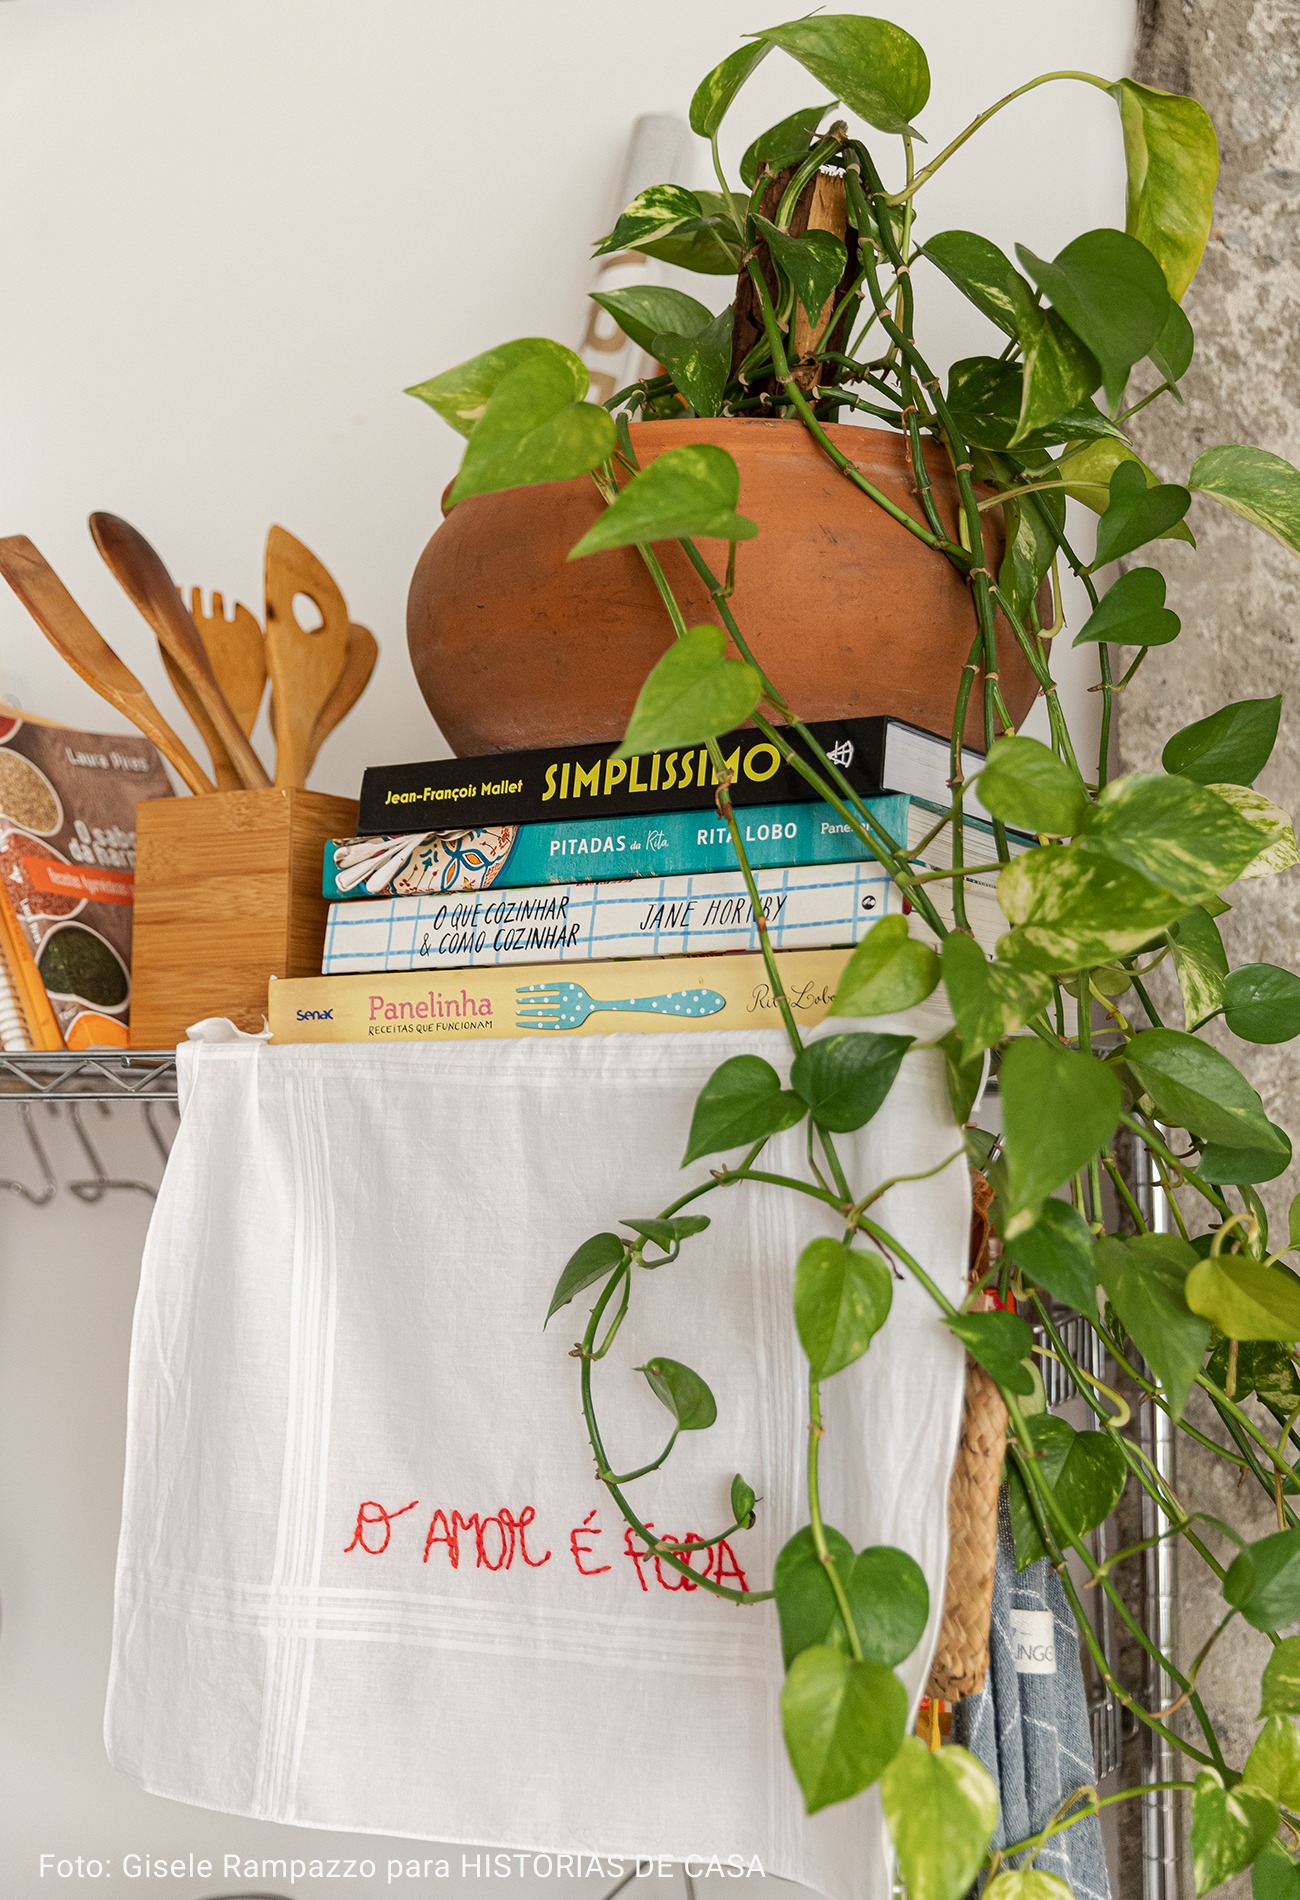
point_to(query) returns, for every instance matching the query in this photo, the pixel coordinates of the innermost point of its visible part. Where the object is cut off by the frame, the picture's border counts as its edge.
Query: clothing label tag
(1033, 1642)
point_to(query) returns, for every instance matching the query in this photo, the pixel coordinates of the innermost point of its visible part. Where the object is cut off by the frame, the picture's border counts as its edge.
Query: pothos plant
(1122, 874)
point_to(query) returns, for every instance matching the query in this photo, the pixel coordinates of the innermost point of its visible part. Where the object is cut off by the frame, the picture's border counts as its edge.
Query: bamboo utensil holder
(227, 895)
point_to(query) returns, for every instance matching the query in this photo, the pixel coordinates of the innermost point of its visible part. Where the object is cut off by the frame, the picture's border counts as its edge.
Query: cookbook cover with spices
(67, 875)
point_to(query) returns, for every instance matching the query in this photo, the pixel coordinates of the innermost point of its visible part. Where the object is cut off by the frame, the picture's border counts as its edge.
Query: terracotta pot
(515, 646)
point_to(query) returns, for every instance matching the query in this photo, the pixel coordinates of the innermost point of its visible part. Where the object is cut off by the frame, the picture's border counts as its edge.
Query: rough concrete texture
(1239, 598)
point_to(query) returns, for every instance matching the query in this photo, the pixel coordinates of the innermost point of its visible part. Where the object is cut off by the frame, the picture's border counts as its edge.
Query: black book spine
(523, 788)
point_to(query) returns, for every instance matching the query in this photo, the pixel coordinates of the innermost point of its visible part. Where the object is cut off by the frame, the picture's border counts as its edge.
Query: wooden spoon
(238, 656)
(305, 667)
(358, 665)
(141, 572)
(69, 632)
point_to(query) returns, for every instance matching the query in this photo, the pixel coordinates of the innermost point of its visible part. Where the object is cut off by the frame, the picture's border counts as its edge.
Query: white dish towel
(367, 1577)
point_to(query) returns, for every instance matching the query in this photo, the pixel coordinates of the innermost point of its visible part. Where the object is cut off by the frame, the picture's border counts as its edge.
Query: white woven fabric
(341, 1306)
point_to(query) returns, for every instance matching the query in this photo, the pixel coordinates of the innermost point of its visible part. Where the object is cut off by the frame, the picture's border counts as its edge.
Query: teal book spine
(600, 850)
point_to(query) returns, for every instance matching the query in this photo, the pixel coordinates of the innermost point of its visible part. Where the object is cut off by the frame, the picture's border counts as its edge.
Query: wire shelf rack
(95, 1075)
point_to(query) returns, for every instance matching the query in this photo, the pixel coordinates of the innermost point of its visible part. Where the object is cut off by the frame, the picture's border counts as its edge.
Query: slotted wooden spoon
(305, 665)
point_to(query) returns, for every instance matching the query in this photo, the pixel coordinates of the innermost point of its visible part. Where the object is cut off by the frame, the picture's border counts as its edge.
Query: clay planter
(514, 646)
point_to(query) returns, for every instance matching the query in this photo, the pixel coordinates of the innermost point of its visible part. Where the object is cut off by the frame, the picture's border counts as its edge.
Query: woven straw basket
(961, 1656)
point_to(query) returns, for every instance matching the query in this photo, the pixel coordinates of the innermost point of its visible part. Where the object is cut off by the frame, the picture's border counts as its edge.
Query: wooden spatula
(238, 655)
(69, 632)
(305, 667)
(146, 580)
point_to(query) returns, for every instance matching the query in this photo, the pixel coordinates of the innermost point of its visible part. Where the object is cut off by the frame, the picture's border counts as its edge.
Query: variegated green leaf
(1071, 908)
(1181, 835)
(1273, 824)
(1173, 162)
(1201, 965)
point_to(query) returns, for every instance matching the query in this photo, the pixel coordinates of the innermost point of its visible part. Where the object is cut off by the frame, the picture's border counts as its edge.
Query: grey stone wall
(1239, 598)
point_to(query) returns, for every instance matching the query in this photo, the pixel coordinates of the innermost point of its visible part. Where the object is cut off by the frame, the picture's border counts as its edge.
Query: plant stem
(1044, 79)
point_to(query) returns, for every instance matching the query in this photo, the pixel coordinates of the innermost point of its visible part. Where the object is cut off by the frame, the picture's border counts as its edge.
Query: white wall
(234, 230)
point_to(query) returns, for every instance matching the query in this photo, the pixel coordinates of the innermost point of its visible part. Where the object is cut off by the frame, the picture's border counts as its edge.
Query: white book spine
(805, 907)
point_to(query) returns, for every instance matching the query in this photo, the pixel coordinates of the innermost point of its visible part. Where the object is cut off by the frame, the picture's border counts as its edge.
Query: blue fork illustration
(568, 1005)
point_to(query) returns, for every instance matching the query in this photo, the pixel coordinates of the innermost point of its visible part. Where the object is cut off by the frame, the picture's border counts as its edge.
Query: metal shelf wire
(93, 1075)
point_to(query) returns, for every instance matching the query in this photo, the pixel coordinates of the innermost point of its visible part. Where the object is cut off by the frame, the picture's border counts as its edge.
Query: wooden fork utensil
(237, 653)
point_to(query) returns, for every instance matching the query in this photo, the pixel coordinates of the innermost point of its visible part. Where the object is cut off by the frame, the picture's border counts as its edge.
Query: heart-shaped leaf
(1261, 1003)
(682, 1391)
(1245, 1300)
(1028, 1883)
(941, 1808)
(1201, 965)
(1245, 1166)
(964, 1076)
(841, 1300)
(741, 1102)
(814, 263)
(1086, 474)
(1173, 162)
(1031, 546)
(709, 244)
(535, 428)
(1274, 1875)
(1085, 1472)
(460, 395)
(668, 1234)
(1231, 746)
(1279, 1687)
(699, 364)
(1025, 784)
(713, 96)
(877, 69)
(986, 275)
(989, 1001)
(1074, 908)
(985, 396)
(844, 1079)
(886, 1590)
(1111, 291)
(645, 311)
(1263, 1581)
(783, 144)
(889, 971)
(1060, 373)
(1173, 350)
(1132, 612)
(687, 491)
(743, 1501)
(1193, 1086)
(1278, 850)
(1263, 488)
(843, 1721)
(805, 1600)
(1059, 1109)
(1137, 513)
(1229, 1828)
(692, 694)
(1144, 1278)
(1056, 1253)
(1181, 835)
(1001, 1342)
(890, 1603)
(1273, 1764)
(594, 1260)
(653, 213)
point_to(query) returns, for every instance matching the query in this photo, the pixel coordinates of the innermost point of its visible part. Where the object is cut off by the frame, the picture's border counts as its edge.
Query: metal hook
(95, 1189)
(159, 1141)
(50, 1183)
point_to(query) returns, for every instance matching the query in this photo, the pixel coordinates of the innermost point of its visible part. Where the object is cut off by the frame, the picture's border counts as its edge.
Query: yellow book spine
(37, 1009)
(485, 1005)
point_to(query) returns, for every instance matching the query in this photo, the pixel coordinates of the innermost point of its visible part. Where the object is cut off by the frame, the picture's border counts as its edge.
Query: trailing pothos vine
(1104, 880)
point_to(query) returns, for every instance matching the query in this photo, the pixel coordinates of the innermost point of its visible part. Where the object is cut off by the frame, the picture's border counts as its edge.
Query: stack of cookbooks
(575, 862)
